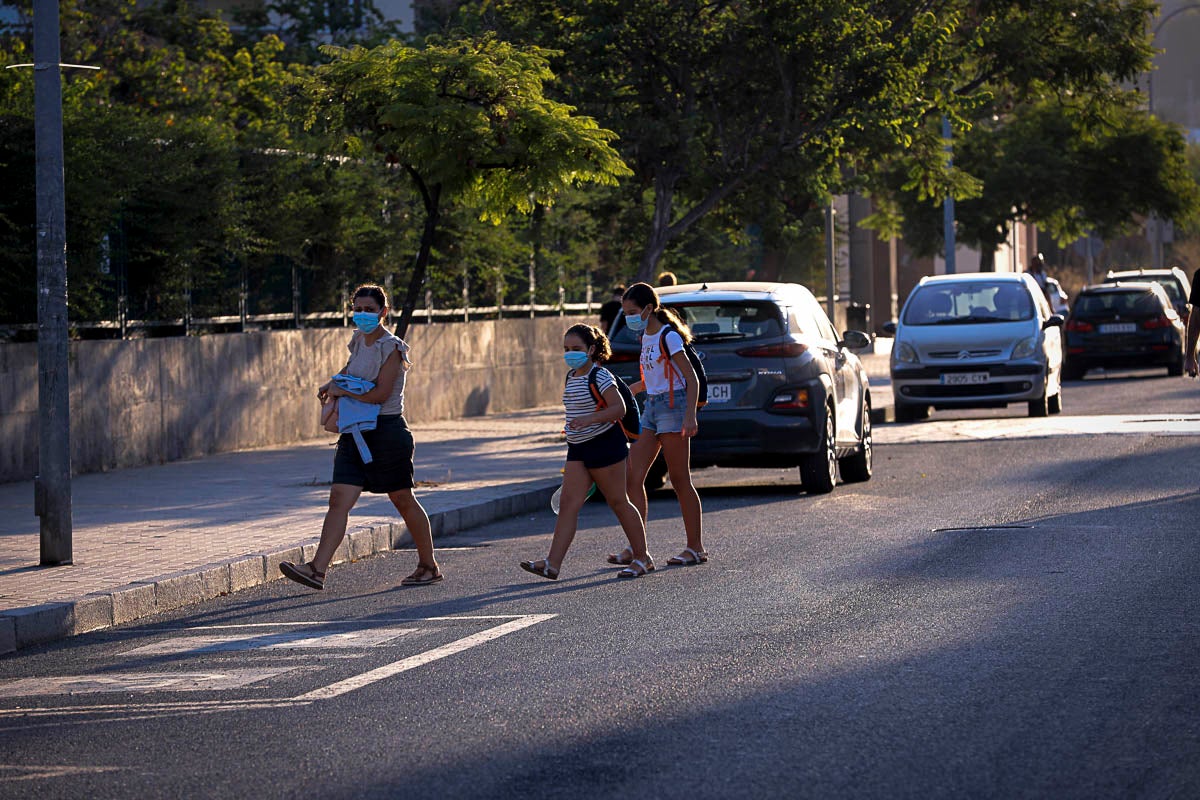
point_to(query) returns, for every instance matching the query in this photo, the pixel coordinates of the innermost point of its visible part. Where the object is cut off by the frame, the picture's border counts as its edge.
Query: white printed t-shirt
(578, 401)
(654, 371)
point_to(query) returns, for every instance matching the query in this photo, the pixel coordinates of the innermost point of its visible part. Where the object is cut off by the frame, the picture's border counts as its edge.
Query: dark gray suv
(784, 390)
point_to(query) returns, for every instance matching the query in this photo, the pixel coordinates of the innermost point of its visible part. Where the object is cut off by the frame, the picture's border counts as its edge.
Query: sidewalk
(150, 539)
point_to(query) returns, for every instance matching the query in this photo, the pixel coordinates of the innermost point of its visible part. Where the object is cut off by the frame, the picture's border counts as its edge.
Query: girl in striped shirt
(596, 453)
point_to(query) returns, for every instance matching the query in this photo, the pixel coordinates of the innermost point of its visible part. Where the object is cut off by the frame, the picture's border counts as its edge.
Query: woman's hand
(323, 391)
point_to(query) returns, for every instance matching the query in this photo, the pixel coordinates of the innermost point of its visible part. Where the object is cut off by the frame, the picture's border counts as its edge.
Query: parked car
(976, 340)
(784, 390)
(1123, 325)
(1173, 280)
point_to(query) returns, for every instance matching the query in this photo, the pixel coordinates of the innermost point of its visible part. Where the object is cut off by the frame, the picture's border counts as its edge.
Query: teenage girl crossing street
(669, 418)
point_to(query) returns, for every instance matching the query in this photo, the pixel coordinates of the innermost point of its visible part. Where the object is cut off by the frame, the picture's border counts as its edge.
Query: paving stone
(93, 613)
(246, 572)
(361, 542)
(178, 590)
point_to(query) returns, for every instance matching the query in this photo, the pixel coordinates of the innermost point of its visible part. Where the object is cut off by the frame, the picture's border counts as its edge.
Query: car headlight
(1025, 348)
(904, 353)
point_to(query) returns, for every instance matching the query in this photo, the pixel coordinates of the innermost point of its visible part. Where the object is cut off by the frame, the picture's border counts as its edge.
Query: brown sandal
(304, 574)
(422, 576)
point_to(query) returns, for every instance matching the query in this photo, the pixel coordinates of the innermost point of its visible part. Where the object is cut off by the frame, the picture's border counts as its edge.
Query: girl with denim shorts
(378, 356)
(596, 453)
(669, 417)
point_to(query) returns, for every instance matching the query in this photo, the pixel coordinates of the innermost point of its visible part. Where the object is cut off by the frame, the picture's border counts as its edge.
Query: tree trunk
(987, 258)
(660, 227)
(430, 197)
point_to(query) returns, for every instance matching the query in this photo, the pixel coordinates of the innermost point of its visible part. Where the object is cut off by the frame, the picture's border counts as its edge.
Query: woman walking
(596, 453)
(669, 418)
(380, 357)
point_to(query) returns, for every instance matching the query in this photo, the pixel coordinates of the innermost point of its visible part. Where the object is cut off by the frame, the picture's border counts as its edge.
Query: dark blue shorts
(603, 450)
(391, 468)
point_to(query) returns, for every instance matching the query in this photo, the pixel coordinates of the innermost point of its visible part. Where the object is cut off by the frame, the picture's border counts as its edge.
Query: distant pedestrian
(380, 357)
(667, 279)
(597, 452)
(669, 418)
(611, 309)
(1037, 270)
(1193, 326)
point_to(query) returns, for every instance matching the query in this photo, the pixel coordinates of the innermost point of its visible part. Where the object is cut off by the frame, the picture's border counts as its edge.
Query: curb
(34, 625)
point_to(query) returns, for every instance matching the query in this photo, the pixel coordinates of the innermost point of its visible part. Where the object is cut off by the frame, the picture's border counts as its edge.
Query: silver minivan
(976, 340)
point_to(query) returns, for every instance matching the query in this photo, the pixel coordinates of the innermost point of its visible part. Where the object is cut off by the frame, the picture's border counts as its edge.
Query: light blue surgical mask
(366, 321)
(635, 323)
(575, 358)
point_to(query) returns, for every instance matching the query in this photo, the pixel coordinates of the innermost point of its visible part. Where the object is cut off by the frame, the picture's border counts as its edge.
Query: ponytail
(643, 294)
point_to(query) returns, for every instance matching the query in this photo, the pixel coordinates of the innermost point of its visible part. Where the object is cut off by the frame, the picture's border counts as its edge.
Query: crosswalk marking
(140, 682)
(277, 640)
(958, 430)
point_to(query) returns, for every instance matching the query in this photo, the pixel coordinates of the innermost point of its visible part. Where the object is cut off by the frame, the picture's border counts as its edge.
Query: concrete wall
(148, 401)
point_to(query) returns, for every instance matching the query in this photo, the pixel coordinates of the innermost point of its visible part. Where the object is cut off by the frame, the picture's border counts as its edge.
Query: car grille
(954, 354)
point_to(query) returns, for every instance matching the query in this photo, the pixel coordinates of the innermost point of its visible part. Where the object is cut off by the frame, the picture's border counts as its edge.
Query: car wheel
(1054, 404)
(907, 412)
(857, 468)
(656, 476)
(1039, 407)
(818, 471)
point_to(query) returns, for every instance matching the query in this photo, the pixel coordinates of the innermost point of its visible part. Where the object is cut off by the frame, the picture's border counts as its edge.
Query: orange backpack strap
(668, 368)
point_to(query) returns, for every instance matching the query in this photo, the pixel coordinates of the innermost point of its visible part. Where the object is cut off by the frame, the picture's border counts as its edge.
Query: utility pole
(830, 262)
(52, 488)
(948, 205)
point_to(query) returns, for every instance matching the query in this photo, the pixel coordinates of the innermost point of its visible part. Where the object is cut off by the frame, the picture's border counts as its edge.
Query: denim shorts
(659, 416)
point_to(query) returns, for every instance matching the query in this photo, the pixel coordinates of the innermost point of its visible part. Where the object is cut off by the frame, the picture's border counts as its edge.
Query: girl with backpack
(669, 418)
(381, 358)
(596, 453)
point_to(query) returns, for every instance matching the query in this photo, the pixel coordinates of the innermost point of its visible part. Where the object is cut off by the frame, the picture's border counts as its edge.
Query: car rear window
(968, 302)
(726, 322)
(1170, 285)
(1103, 303)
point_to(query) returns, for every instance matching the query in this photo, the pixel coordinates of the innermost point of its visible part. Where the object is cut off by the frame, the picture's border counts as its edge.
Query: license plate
(1118, 327)
(965, 378)
(720, 392)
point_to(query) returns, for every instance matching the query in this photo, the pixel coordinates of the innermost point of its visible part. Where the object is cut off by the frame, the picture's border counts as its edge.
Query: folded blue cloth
(355, 416)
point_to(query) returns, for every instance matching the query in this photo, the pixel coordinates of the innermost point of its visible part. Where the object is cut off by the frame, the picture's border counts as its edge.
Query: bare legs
(677, 451)
(342, 498)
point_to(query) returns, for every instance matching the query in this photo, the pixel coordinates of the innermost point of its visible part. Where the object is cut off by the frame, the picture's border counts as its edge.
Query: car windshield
(968, 302)
(729, 321)
(1106, 303)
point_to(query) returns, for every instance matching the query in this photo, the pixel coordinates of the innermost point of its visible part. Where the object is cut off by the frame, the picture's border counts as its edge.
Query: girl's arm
(384, 383)
(613, 411)
(681, 363)
(637, 387)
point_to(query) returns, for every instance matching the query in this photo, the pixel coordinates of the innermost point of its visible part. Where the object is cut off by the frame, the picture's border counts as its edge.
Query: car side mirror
(855, 340)
(1054, 321)
(889, 327)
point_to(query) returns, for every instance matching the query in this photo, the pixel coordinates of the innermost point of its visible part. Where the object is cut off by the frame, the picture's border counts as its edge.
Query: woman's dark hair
(374, 292)
(643, 294)
(592, 337)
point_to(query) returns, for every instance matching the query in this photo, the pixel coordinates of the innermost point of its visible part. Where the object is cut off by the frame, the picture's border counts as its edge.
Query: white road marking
(10, 773)
(279, 640)
(1033, 428)
(412, 662)
(140, 682)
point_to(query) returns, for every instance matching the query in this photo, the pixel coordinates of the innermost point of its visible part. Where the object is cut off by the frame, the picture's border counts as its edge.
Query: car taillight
(1079, 326)
(786, 350)
(1161, 321)
(790, 400)
(617, 358)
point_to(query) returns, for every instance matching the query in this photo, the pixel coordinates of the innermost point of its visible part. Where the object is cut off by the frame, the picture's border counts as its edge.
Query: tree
(714, 99)
(469, 123)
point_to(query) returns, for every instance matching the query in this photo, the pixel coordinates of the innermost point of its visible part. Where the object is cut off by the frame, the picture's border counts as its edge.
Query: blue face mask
(575, 358)
(635, 323)
(365, 321)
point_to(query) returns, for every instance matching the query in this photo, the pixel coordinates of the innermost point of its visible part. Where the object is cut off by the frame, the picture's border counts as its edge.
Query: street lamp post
(1156, 233)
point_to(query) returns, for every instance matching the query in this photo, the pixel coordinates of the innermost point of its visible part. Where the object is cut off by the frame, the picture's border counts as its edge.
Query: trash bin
(858, 317)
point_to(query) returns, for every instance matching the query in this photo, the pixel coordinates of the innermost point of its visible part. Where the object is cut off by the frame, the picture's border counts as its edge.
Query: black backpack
(631, 423)
(694, 357)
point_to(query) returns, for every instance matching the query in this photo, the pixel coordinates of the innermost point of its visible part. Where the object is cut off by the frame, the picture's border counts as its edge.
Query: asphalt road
(1008, 609)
